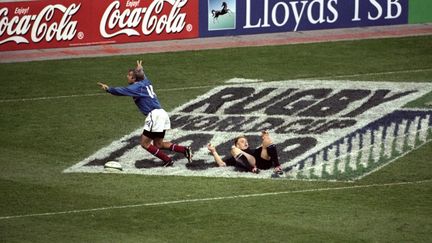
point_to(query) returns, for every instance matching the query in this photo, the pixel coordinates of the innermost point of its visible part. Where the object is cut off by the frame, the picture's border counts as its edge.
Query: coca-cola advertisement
(68, 23)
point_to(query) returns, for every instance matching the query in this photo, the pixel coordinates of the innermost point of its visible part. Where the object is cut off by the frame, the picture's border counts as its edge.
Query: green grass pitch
(41, 137)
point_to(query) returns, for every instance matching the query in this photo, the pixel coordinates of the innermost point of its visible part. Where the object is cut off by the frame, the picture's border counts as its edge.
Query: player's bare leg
(186, 151)
(245, 158)
(269, 151)
(146, 143)
(264, 153)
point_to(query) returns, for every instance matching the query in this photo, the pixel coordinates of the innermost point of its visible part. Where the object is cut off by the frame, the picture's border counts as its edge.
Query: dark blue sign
(237, 17)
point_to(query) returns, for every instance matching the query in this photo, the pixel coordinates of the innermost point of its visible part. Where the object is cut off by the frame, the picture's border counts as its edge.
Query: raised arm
(139, 65)
(216, 156)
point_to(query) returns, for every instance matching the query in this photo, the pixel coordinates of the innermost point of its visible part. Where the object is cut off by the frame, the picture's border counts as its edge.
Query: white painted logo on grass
(335, 130)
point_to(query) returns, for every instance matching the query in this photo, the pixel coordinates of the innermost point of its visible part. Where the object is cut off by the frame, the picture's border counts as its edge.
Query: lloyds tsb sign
(266, 16)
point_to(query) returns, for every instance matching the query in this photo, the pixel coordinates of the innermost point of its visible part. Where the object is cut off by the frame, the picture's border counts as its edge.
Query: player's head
(131, 77)
(241, 142)
(135, 75)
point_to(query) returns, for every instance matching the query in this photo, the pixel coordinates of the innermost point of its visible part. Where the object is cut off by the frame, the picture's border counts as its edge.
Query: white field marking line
(213, 199)
(95, 94)
(209, 86)
(49, 98)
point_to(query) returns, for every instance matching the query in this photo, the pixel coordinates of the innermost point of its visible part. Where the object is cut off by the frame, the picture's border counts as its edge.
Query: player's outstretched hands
(139, 64)
(265, 135)
(211, 148)
(103, 86)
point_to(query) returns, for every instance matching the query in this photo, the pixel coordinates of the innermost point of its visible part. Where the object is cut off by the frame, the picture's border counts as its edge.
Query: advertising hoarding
(238, 17)
(49, 24)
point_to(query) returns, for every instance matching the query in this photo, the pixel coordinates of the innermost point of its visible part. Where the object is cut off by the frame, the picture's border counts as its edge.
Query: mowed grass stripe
(95, 94)
(210, 86)
(215, 199)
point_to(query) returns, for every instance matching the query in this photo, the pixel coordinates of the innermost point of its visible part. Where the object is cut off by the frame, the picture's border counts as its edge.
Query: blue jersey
(142, 94)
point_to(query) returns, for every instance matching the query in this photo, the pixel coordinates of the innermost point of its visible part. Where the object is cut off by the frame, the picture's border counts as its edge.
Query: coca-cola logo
(151, 18)
(41, 26)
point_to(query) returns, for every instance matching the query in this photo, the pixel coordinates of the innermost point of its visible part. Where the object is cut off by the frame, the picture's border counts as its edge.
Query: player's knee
(145, 144)
(158, 144)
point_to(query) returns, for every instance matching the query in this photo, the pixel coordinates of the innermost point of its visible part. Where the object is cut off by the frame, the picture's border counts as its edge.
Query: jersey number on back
(150, 91)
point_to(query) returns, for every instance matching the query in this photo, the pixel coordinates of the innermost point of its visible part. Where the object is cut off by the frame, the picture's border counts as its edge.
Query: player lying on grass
(157, 120)
(246, 159)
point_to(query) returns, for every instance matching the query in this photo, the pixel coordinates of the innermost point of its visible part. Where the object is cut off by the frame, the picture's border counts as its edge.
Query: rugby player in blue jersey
(157, 120)
(246, 159)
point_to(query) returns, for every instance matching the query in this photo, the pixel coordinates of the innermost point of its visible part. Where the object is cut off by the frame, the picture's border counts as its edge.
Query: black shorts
(154, 135)
(261, 163)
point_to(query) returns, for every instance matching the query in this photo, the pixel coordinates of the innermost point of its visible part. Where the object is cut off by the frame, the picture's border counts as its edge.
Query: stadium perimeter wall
(42, 24)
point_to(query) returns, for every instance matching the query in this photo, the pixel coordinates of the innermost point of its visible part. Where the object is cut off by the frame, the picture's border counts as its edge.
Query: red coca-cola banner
(51, 24)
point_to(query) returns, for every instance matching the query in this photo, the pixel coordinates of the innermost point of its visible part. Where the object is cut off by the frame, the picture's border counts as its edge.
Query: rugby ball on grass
(113, 166)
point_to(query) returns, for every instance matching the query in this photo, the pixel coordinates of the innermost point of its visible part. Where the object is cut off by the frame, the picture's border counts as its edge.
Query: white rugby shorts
(157, 121)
